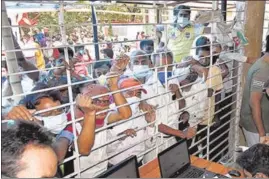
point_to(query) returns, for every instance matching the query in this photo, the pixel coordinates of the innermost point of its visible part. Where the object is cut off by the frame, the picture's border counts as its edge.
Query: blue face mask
(161, 76)
(4, 79)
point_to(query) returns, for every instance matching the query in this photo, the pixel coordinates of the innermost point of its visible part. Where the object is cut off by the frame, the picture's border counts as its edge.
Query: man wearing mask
(102, 119)
(158, 95)
(132, 129)
(182, 34)
(254, 110)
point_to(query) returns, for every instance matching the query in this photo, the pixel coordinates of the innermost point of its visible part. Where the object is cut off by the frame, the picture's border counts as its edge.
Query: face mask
(183, 21)
(102, 80)
(4, 79)
(161, 76)
(141, 71)
(54, 124)
(134, 107)
(181, 73)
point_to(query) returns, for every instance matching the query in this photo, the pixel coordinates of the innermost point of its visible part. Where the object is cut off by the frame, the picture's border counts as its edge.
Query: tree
(110, 30)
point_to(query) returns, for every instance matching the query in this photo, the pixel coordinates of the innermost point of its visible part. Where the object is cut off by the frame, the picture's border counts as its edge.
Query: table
(151, 169)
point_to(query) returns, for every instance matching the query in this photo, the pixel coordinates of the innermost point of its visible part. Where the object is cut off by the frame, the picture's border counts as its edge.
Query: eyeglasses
(100, 102)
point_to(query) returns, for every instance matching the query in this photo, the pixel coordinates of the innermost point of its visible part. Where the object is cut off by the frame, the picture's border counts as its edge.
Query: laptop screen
(126, 169)
(173, 159)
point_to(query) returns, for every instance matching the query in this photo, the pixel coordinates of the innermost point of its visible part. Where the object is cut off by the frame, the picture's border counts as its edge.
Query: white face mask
(141, 71)
(54, 124)
(102, 80)
(181, 73)
(134, 107)
(183, 21)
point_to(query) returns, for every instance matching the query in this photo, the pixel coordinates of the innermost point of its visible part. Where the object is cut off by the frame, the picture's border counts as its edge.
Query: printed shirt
(180, 42)
(256, 78)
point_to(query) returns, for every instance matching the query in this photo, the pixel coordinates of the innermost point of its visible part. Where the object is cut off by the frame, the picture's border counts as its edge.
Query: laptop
(175, 162)
(128, 168)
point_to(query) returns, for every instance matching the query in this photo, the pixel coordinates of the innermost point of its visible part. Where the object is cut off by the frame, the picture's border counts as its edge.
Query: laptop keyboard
(192, 173)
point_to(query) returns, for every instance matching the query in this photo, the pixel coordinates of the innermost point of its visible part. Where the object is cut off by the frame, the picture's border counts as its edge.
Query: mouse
(234, 173)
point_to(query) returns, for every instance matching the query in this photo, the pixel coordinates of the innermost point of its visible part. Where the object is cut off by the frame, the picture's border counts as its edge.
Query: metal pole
(95, 33)
(11, 59)
(69, 82)
(224, 9)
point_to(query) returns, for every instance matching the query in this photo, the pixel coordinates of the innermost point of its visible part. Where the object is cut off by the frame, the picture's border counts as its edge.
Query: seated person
(26, 151)
(255, 161)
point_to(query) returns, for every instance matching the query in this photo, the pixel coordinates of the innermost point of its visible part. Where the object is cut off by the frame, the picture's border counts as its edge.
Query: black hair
(69, 51)
(202, 41)
(101, 63)
(181, 7)
(267, 44)
(146, 42)
(108, 52)
(33, 99)
(15, 138)
(255, 158)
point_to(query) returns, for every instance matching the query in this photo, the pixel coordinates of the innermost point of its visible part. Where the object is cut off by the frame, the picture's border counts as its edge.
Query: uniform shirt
(180, 42)
(256, 77)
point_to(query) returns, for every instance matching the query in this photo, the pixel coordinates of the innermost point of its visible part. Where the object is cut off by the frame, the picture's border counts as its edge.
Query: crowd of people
(123, 102)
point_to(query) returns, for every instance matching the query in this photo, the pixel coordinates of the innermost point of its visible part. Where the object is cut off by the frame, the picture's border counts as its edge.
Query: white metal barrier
(231, 134)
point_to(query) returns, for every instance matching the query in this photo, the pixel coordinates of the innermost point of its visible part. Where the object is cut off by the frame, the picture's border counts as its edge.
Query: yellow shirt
(40, 62)
(214, 81)
(180, 42)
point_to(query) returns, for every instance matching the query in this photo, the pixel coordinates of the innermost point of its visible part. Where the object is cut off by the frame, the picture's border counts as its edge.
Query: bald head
(38, 162)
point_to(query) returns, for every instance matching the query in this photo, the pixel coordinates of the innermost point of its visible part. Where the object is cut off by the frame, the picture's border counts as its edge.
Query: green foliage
(46, 19)
(110, 30)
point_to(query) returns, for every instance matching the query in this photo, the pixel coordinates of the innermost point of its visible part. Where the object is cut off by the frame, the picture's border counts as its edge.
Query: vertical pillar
(12, 64)
(254, 20)
(224, 9)
(95, 33)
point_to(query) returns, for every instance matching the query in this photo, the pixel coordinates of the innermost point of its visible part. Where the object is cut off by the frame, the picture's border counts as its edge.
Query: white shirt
(96, 155)
(197, 103)
(29, 53)
(123, 145)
